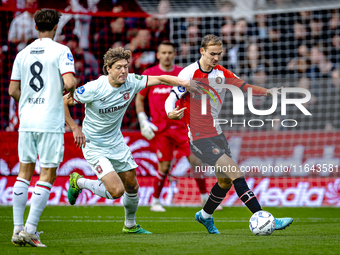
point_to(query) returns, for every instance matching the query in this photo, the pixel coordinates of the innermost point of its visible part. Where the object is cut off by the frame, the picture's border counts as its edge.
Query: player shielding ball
(106, 100)
(167, 135)
(38, 74)
(207, 140)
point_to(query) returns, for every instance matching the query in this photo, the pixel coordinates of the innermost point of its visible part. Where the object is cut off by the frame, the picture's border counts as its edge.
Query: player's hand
(193, 86)
(147, 129)
(269, 92)
(177, 113)
(79, 138)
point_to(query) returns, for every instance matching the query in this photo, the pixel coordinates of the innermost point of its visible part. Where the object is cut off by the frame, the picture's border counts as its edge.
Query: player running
(207, 140)
(37, 79)
(171, 135)
(106, 100)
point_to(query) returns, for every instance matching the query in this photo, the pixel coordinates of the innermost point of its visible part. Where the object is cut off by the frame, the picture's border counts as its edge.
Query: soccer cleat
(137, 229)
(157, 207)
(282, 223)
(31, 239)
(208, 223)
(16, 240)
(73, 190)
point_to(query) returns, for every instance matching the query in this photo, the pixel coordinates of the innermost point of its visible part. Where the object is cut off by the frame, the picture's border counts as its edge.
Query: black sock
(246, 195)
(216, 196)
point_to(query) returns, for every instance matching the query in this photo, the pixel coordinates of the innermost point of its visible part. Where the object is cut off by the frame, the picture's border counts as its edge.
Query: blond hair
(113, 55)
(210, 40)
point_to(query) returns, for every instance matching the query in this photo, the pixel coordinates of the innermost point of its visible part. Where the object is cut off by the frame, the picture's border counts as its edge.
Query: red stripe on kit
(44, 187)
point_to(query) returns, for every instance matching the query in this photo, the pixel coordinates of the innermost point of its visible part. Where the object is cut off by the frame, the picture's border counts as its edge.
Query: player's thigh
(50, 149)
(226, 168)
(207, 150)
(163, 146)
(129, 179)
(27, 147)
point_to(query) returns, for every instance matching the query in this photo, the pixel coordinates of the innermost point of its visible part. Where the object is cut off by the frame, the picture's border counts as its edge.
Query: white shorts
(104, 160)
(49, 147)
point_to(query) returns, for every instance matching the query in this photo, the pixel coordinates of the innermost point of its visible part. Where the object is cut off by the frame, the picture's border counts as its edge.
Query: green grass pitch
(98, 230)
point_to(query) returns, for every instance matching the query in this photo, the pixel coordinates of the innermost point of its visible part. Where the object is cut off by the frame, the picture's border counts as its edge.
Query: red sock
(158, 184)
(201, 185)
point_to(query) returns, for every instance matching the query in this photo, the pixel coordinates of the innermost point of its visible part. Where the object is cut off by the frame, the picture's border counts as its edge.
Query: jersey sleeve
(233, 79)
(180, 91)
(144, 92)
(66, 62)
(85, 94)
(140, 81)
(16, 74)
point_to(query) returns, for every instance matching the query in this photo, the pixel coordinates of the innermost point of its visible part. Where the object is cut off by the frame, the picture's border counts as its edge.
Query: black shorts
(209, 150)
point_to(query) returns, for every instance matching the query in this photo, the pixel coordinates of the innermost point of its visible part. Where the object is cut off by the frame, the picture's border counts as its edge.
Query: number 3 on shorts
(99, 169)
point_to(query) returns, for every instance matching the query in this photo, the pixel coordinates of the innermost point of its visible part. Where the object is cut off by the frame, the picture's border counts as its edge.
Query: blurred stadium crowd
(287, 49)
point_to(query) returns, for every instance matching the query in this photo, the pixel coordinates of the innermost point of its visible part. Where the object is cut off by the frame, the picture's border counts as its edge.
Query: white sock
(20, 195)
(97, 187)
(155, 201)
(205, 215)
(204, 197)
(39, 200)
(130, 202)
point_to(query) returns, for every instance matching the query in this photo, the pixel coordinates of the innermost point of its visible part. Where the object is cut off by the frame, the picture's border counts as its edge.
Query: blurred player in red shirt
(166, 134)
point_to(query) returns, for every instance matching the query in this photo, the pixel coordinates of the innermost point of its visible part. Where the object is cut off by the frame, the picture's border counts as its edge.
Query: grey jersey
(105, 107)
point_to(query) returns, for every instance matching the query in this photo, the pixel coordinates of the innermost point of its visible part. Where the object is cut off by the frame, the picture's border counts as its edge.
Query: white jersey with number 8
(39, 68)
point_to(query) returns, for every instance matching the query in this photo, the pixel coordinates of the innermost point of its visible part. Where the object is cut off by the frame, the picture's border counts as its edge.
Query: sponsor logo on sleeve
(81, 90)
(138, 77)
(69, 56)
(181, 89)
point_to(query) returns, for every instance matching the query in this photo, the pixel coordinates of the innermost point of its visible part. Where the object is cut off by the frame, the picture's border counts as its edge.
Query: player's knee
(164, 167)
(132, 188)
(116, 192)
(225, 183)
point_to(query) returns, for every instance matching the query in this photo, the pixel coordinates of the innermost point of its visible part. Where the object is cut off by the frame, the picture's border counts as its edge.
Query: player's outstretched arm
(191, 86)
(70, 82)
(14, 90)
(79, 137)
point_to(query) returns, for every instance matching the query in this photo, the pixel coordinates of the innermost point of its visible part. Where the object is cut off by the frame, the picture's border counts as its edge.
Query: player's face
(118, 72)
(166, 55)
(212, 55)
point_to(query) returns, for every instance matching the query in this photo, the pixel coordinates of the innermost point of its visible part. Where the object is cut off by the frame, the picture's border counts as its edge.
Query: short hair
(210, 40)
(113, 55)
(46, 19)
(168, 43)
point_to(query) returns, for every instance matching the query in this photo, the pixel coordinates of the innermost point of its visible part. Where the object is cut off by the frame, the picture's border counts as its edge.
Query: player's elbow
(71, 84)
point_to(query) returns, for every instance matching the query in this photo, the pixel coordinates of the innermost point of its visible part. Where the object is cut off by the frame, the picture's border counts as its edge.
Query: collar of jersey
(199, 66)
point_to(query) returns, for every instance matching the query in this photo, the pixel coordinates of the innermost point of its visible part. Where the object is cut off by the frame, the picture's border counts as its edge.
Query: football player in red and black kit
(167, 135)
(207, 140)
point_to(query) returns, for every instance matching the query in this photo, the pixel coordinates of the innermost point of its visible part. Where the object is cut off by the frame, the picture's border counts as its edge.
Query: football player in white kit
(106, 100)
(40, 73)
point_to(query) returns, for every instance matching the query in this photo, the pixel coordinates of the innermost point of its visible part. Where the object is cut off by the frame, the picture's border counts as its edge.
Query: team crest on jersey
(126, 95)
(80, 90)
(218, 80)
(216, 151)
(181, 89)
(69, 56)
(138, 77)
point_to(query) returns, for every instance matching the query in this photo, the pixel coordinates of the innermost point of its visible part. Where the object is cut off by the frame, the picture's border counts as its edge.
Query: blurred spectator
(158, 29)
(143, 52)
(194, 42)
(299, 65)
(22, 28)
(237, 53)
(259, 27)
(108, 36)
(228, 39)
(85, 64)
(334, 48)
(317, 31)
(254, 62)
(334, 22)
(321, 67)
(4, 81)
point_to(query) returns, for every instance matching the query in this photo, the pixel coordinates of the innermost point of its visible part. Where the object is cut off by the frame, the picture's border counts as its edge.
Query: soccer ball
(262, 223)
